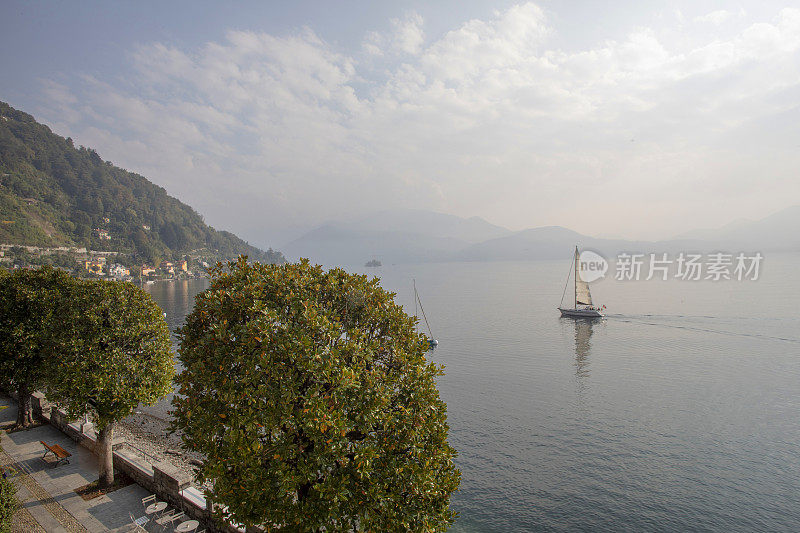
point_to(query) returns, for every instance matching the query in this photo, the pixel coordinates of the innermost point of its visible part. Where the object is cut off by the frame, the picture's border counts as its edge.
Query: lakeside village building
(172, 268)
(119, 271)
(98, 265)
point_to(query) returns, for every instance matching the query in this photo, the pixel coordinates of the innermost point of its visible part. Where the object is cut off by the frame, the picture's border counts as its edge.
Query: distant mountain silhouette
(417, 221)
(777, 232)
(406, 236)
(556, 242)
(392, 237)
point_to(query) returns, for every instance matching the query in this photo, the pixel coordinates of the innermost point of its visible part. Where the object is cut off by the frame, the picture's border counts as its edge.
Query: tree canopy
(28, 299)
(310, 396)
(114, 353)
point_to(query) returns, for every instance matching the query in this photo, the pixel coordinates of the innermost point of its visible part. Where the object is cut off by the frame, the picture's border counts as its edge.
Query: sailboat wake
(650, 320)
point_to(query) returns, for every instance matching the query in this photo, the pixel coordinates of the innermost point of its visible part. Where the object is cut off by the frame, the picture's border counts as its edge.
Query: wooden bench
(60, 453)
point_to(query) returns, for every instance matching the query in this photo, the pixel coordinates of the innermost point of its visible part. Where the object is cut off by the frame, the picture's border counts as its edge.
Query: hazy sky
(634, 119)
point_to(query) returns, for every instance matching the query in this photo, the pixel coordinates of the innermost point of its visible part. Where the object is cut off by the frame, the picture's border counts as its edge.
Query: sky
(632, 119)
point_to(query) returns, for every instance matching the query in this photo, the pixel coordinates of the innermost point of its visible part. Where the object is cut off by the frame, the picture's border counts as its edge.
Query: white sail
(584, 308)
(582, 294)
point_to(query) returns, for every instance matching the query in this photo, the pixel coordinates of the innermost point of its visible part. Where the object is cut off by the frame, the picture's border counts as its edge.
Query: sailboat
(432, 343)
(583, 307)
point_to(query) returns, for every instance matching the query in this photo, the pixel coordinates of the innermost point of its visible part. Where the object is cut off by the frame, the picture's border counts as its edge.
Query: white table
(156, 507)
(186, 527)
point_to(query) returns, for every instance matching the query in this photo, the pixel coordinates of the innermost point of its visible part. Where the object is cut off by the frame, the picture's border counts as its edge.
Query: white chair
(166, 518)
(138, 523)
(147, 500)
(177, 518)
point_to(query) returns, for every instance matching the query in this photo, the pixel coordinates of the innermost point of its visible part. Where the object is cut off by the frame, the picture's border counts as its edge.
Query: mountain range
(53, 194)
(393, 236)
(405, 236)
(777, 232)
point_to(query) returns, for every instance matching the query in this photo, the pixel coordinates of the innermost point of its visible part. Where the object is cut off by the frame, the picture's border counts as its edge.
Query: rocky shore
(149, 436)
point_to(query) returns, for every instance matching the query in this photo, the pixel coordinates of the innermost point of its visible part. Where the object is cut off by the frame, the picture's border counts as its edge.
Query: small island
(373, 263)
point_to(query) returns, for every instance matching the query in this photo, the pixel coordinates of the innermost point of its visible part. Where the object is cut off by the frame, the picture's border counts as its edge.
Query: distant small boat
(432, 343)
(373, 263)
(583, 306)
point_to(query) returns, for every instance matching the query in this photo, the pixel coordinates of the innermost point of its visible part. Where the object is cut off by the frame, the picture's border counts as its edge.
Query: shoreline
(149, 436)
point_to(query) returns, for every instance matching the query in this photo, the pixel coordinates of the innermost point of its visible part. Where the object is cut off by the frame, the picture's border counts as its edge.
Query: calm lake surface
(679, 411)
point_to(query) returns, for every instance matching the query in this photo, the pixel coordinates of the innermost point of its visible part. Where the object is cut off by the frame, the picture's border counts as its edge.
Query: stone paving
(23, 520)
(47, 492)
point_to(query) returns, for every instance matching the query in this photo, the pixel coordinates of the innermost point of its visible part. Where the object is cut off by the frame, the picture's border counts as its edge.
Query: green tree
(8, 504)
(310, 396)
(27, 301)
(115, 353)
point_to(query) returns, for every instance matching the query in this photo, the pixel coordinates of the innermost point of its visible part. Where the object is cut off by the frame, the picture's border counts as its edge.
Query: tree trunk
(24, 411)
(105, 455)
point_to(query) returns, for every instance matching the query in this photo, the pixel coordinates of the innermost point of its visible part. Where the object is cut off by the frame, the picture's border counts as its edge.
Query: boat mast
(416, 299)
(566, 284)
(576, 278)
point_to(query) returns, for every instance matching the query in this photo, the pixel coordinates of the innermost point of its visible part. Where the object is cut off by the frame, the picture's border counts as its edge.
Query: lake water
(679, 411)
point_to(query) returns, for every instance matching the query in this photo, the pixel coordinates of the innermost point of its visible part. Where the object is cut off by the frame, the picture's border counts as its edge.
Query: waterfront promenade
(47, 494)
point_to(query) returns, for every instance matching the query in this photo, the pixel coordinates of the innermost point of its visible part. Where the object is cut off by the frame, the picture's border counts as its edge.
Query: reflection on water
(583, 329)
(176, 298)
(583, 344)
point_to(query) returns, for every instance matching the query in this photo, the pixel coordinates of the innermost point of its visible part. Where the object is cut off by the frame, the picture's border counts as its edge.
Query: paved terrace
(47, 492)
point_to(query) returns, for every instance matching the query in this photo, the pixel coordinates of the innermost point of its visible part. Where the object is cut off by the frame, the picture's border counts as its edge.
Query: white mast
(577, 259)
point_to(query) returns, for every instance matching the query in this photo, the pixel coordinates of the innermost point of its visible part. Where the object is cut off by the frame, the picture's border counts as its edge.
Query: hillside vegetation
(54, 194)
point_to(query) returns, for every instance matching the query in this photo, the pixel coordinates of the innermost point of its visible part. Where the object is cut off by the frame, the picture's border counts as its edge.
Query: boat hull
(580, 313)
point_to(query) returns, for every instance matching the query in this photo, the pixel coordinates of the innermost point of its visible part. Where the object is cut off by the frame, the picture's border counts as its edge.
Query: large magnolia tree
(114, 353)
(28, 299)
(310, 396)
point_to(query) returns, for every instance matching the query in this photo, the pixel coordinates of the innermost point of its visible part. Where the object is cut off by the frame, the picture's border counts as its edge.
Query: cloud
(407, 37)
(715, 18)
(260, 131)
(408, 34)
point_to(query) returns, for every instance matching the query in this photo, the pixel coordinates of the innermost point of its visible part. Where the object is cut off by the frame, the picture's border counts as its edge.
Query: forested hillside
(54, 194)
